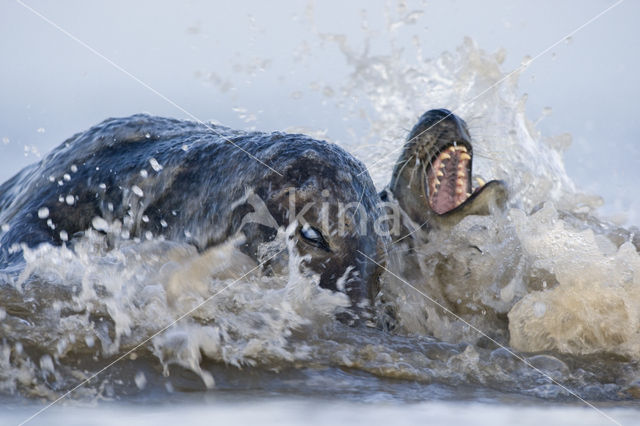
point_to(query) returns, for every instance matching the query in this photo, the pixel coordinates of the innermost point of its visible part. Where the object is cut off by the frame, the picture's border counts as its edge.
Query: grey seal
(199, 183)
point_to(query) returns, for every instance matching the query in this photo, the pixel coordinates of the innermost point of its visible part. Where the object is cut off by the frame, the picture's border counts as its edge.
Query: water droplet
(145, 218)
(102, 186)
(64, 236)
(207, 378)
(136, 190)
(144, 173)
(43, 212)
(66, 177)
(141, 380)
(155, 165)
(46, 363)
(163, 223)
(70, 200)
(99, 224)
(61, 346)
(90, 341)
(74, 168)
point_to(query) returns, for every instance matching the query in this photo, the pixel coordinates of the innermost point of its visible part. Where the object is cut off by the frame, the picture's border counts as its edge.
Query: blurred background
(259, 65)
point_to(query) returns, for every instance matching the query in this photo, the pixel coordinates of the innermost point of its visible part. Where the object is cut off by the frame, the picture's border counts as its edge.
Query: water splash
(521, 277)
(481, 268)
(99, 301)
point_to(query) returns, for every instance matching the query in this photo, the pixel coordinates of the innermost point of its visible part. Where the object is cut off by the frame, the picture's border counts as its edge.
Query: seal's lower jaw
(449, 189)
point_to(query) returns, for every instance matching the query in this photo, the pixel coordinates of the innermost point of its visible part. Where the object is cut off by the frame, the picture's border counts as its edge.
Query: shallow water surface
(294, 412)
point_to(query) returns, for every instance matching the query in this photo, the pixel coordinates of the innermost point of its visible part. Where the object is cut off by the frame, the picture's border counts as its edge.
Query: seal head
(432, 180)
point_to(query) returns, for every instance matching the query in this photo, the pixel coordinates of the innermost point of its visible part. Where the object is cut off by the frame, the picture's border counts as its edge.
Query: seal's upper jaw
(448, 175)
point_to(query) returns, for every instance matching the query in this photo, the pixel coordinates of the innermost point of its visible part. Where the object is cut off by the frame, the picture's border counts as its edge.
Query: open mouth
(449, 178)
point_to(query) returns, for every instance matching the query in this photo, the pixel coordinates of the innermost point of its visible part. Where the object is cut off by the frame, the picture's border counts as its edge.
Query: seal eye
(314, 237)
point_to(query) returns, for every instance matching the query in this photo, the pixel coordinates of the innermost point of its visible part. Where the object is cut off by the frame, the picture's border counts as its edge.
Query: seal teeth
(445, 156)
(480, 181)
(460, 182)
(439, 173)
(461, 173)
(462, 148)
(465, 156)
(459, 190)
